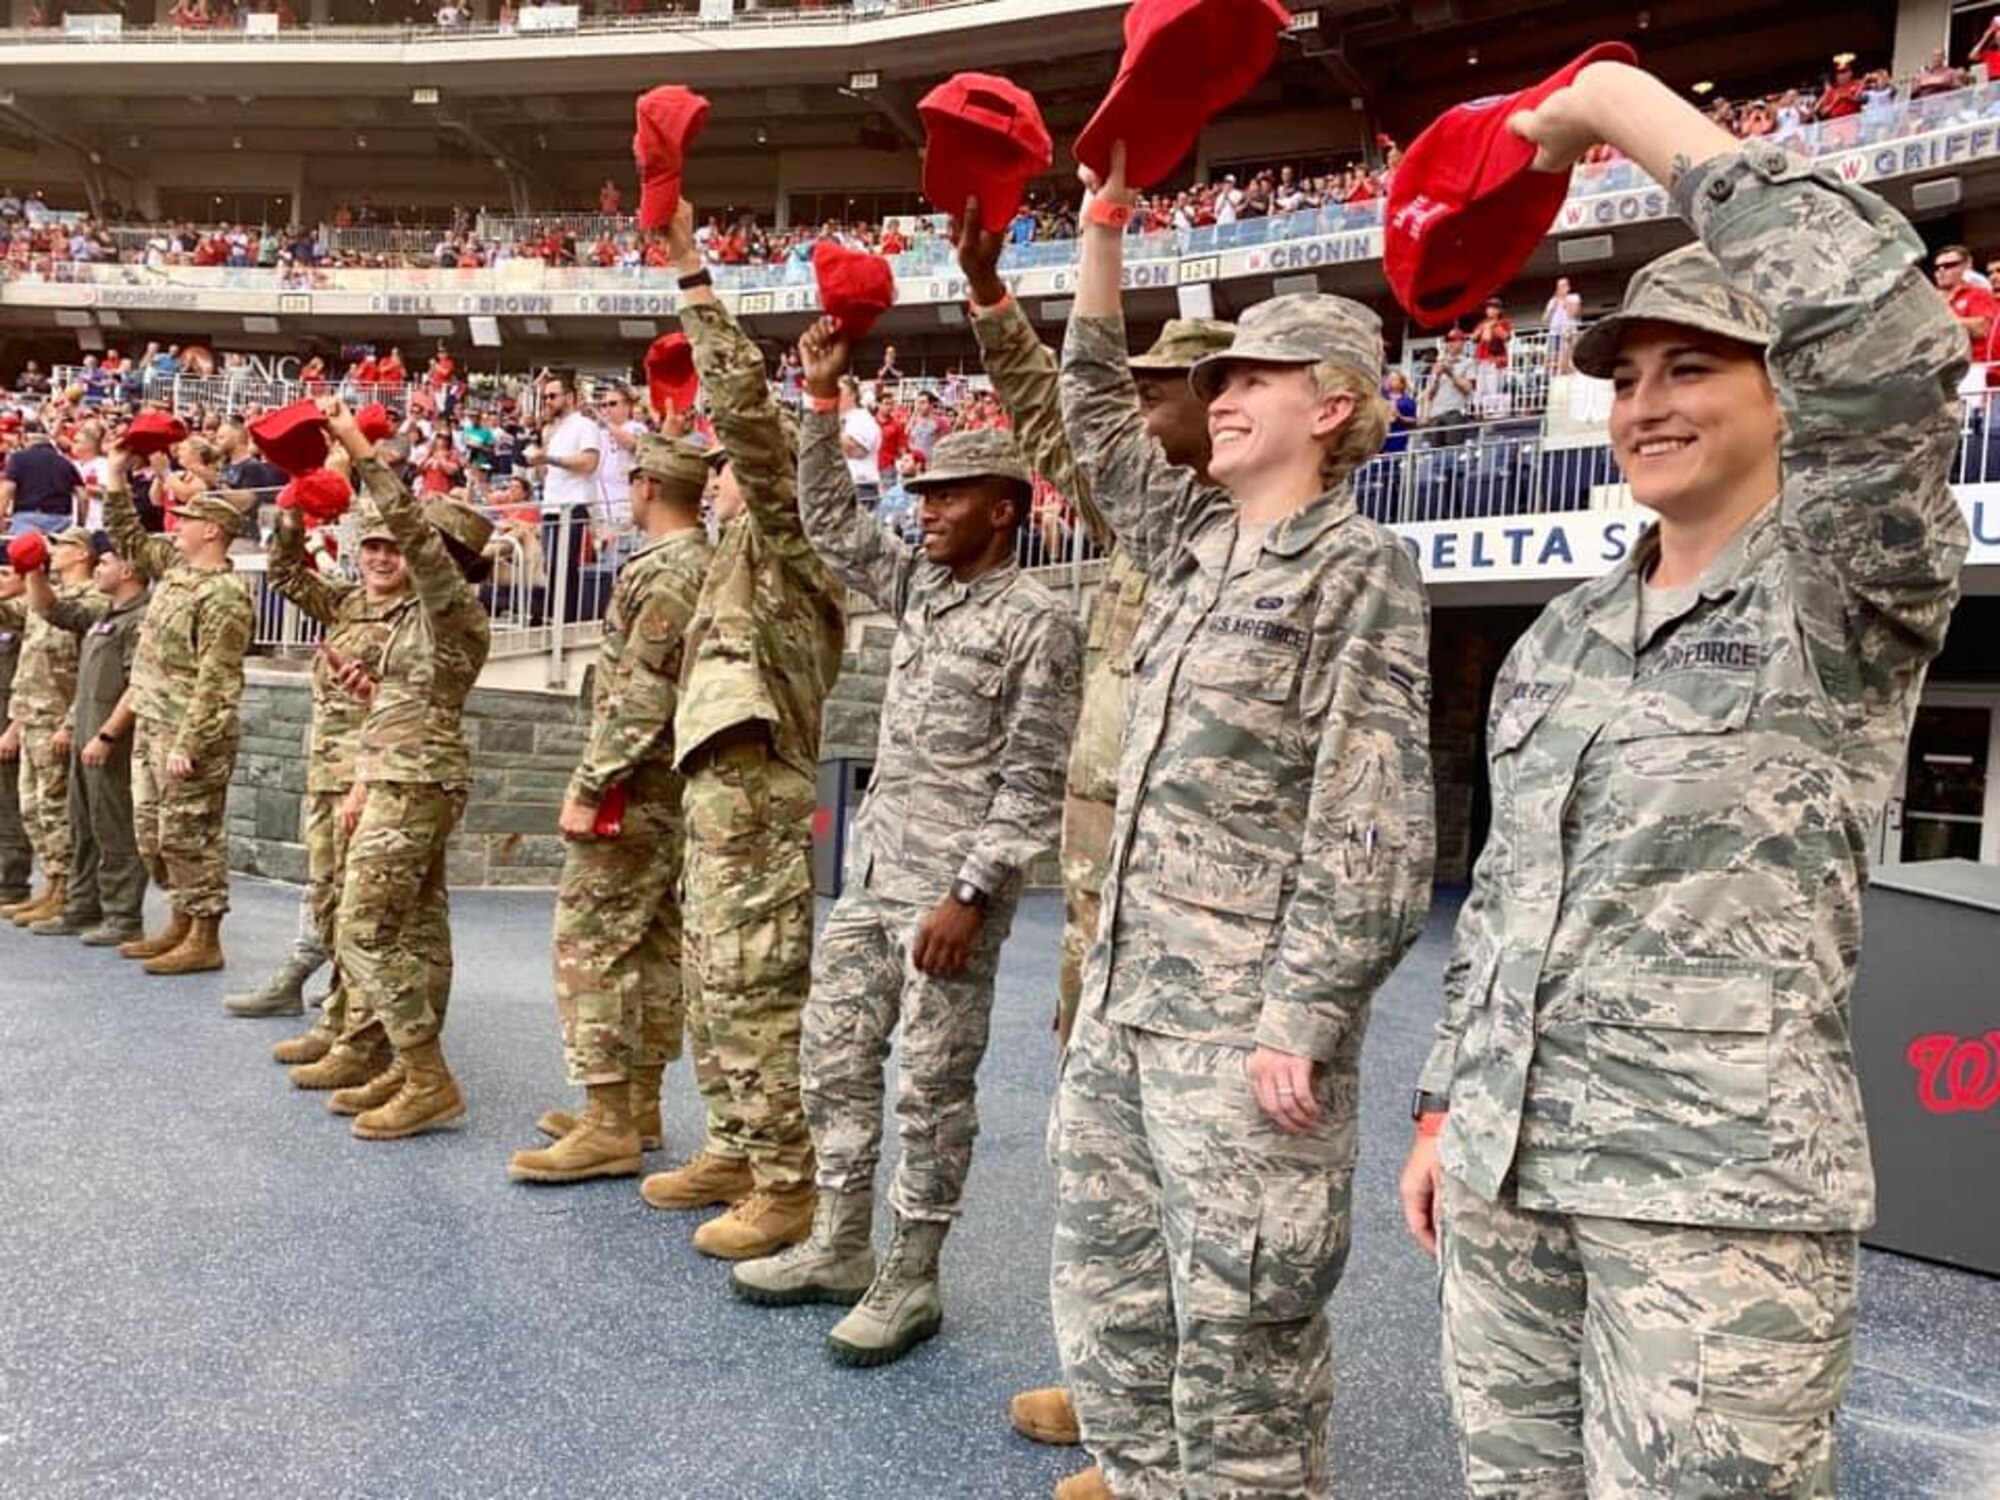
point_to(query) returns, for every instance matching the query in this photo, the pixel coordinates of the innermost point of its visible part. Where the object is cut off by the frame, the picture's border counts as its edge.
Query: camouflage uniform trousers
(863, 982)
(45, 798)
(1086, 847)
(179, 822)
(1195, 1248)
(1617, 1360)
(17, 855)
(750, 917)
(107, 878)
(392, 937)
(319, 903)
(618, 947)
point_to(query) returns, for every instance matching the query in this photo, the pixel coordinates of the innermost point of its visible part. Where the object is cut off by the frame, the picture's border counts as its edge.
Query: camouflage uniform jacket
(979, 707)
(107, 643)
(1646, 1012)
(415, 728)
(639, 671)
(13, 625)
(1271, 856)
(767, 635)
(45, 681)
(187, 680)
(358, 628)
(1023, 371)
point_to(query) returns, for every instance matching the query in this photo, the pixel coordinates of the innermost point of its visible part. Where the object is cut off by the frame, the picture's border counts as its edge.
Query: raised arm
(746, 415)
(434, 577)
(151, 555)
(296, 579)
(1364, 871)
(857, 547)
(1026, 813)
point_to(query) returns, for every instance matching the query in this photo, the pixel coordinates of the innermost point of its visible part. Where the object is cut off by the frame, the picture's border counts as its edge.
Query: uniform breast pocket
(1680, 1062)
(1243, 692)
(962, 714)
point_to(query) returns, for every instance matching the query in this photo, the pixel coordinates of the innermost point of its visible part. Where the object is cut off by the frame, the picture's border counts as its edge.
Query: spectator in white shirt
(567, 459)
(622, 431)
(860, 441)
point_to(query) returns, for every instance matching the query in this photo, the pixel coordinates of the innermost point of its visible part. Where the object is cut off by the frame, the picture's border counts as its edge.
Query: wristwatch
(965, 893)
(1422, 1104)
(106, 739)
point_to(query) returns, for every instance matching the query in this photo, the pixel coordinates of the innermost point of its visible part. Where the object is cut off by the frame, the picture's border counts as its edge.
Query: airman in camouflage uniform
(187, 685)
(762, 655)
(1270, 864)
(392, 933)
(976, 719)
(16, 853)
(107, 884)
(618, 913)
(43, 706)
(1654, 1157)
(357, 621)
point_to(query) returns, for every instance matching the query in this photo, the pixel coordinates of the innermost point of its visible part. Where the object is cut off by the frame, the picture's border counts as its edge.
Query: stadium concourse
(212, 1289)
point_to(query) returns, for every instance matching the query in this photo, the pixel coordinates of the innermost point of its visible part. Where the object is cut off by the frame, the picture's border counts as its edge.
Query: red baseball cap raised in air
(671, 381)
(292, 437)
(1184, 61)
(1466, 206)
(154, 432)
(854, 286)
(984, 139)
(669, 118)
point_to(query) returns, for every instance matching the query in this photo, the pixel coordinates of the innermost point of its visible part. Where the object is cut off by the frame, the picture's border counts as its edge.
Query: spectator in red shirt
(391, 372)
(1973, 305)
(1489, 358)
(609, 199)
(895, 436)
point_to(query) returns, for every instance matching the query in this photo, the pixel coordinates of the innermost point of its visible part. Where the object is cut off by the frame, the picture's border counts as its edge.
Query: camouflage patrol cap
(71, 536)
(210, 508)
(1183, 342)
(461, 523)
(370, 525)
(1686, 287)
(1303, 328)
(673, 461)
(981, 453)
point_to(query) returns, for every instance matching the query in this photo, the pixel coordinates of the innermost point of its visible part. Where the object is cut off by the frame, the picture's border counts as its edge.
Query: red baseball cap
(984, 139)
(292, 437)
(1466, 206)
(854, 286)
(320, 495)
(671, 381)
(670, 117)
(375, 422)
(154, 432)
(1185, 60)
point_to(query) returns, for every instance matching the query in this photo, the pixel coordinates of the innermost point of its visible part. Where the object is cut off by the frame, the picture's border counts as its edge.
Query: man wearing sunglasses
(1973, 305)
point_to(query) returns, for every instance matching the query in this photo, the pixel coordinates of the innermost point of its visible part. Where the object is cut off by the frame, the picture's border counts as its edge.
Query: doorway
(1947, 801)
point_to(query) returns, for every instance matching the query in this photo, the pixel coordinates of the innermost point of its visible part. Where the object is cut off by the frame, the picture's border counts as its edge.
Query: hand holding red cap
(669, 118)
(28, 552)
(375, 422)
(671, 381)
(292, 437)
(854, 287)
(319, 495)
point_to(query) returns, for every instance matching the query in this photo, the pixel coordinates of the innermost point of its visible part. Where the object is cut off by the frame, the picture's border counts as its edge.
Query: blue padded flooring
(208, 1288)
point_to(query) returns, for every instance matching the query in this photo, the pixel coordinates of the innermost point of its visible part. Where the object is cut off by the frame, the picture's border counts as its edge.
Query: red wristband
(822, 403)
(1111, 215)
(1429, 1125)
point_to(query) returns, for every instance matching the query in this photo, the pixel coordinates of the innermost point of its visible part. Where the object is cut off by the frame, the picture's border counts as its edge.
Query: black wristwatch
(1422, 1104)
(965, 893)
(106, 739)
(694, 279)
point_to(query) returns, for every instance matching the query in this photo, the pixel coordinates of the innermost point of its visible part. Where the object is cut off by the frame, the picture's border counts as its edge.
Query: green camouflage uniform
(187, 685)
(1656, 1160)
(761, 657)
(618, 913)
(1270, 864)
(43, 705)
(358, 628)
(16, 853)
(107, 878)
(976, 719)
(392, 934)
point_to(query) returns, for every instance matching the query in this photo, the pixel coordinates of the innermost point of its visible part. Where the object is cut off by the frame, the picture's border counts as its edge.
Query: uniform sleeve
(746, 418)
(639, 705)
(1026, 813)
(223, 624)
(77, 612)
(1365, 858)
(295, 578)
(856, 546)
(1025, 375)
(1151, 505)
(151, 555)
(1867, 360)
(439, 586)
(13, 614)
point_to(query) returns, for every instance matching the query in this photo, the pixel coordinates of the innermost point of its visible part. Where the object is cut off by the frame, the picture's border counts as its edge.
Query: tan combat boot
(835, 1264)
(200, 952)
(294, 1051)
(347, 1065)
(1087, 1485)
(428, 1099)
(21, 902)
(604, 1143)
(1046, 1415)
(557, 1123)
(165, 940)
(762, 1224)
(902, 1307)
(373, 1094)
(705, 1182)
(54, 897)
